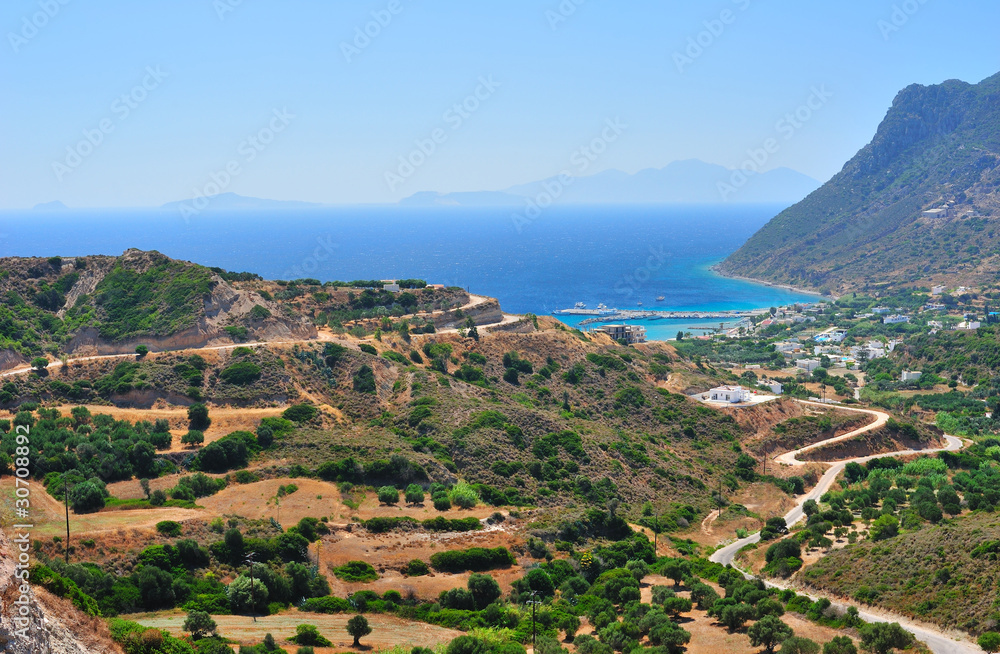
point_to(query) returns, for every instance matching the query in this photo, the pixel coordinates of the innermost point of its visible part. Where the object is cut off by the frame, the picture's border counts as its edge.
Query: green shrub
(416, 568)
(356, 571)
(300, 413)
(388, 495)
(169, 528)
(475, 559)
(241, 373)
(307, 634)
(364, 380)
(464, 496)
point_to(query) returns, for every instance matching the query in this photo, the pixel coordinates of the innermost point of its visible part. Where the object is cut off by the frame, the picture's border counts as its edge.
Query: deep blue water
(616, 255)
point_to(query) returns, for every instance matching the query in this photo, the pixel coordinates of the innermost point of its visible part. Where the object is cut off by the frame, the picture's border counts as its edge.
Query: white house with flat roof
(732, 394)
(895, 319)
(807, 364)
(910, 375)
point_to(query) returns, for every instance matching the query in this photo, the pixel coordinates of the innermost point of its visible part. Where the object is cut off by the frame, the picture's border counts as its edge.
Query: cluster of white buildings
(808, 357)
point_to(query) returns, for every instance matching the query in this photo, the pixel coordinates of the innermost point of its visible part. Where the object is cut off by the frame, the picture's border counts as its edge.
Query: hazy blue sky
(222, 68)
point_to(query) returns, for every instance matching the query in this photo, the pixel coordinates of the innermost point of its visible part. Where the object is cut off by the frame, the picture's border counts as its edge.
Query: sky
(136, 103)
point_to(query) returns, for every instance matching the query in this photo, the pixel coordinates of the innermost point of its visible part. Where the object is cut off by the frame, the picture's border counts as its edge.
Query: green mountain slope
(938, 146)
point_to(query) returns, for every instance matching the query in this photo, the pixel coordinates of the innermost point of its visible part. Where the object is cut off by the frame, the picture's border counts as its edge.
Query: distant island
(55, 205)
(234, 202)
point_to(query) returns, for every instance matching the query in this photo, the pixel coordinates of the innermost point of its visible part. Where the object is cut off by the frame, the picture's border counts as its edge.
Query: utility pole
(253, 608)
(66, 502)
(533, 603)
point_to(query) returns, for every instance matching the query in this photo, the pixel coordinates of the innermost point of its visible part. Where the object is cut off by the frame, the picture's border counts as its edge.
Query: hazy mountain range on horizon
(690, 181)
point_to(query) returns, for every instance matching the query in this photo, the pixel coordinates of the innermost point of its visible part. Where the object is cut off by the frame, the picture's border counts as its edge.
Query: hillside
(105, 305)
(376, 467)
(938, 146)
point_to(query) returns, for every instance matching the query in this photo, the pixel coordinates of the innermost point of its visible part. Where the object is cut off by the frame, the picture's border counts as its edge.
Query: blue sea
(616, 255)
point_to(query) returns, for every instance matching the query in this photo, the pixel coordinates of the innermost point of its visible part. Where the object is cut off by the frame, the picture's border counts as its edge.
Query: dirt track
(937, 640)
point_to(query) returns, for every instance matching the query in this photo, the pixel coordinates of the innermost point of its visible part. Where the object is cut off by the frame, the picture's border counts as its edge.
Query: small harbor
(603, 314)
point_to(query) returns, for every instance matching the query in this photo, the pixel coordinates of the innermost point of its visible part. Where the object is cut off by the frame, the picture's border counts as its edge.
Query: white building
(881, 310)
(787, 346)
(895, 319)
(970, 324)
(940, 212)
(392, 287)
(937, 324)
(910, 375)
(807, 364)
(732, 394)
(775, 387)
(937, 290)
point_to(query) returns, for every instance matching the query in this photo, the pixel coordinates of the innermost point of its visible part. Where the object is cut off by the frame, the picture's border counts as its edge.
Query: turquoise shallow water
(618, 256)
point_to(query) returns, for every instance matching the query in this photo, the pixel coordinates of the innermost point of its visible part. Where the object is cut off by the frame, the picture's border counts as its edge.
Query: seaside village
(823, 337)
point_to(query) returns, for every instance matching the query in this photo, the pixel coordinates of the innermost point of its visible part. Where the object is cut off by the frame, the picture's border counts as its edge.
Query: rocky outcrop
(487, 312)
(224, 306)
(137, 298)
(32, 621)
(10, 359)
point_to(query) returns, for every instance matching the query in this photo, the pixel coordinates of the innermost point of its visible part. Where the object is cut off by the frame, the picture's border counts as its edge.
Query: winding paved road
(938, 641)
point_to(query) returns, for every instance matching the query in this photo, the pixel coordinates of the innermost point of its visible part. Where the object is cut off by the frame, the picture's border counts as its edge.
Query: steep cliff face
(938, 147)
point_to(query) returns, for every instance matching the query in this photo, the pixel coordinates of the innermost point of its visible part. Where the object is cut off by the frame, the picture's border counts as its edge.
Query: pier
(632, 314)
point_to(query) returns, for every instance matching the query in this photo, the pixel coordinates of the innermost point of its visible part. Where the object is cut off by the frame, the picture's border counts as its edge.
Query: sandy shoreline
(787, 287)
